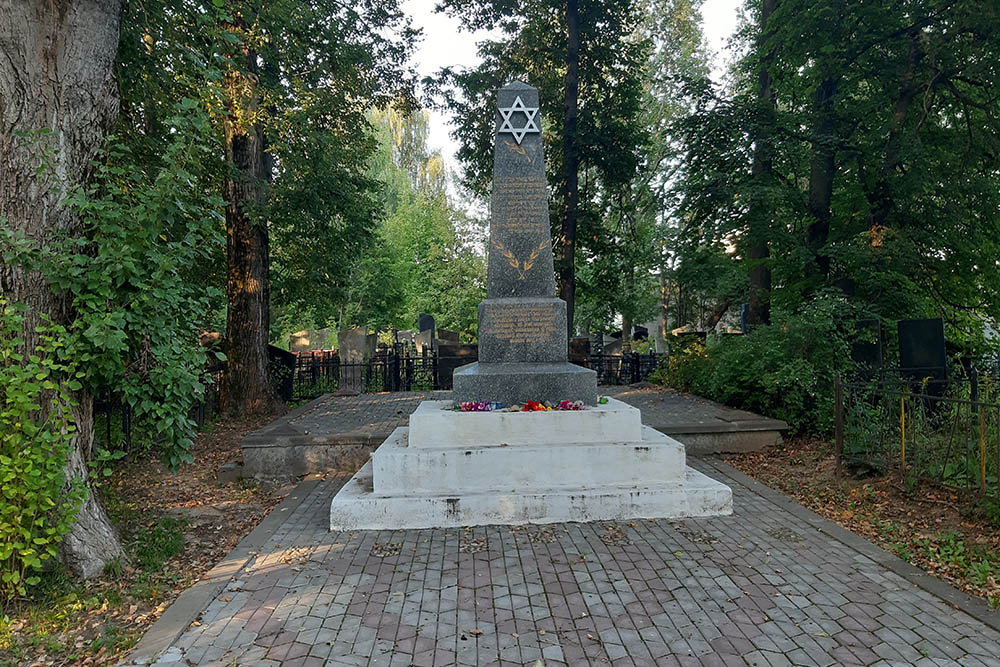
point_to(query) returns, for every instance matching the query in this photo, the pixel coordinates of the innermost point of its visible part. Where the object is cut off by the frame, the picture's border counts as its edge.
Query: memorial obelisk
(451, 467)
(522, 324)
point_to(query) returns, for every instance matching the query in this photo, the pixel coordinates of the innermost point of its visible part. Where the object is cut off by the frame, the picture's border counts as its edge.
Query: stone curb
(193, 601)
(974, 607)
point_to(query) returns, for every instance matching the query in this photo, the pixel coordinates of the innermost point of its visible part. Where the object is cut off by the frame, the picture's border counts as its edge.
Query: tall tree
(57, 76)
(246, 384)
(302, 76)
(571, 164)
(759, 231)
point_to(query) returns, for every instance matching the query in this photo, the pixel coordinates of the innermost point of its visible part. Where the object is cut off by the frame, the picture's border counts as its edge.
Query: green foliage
(37, 506)
(158, 543)
(784, 370)
(424, 257)
(684, 366)
(138, 304)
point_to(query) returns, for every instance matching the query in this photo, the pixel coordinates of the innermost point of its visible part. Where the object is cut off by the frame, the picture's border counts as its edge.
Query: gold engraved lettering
(520, 205)
(523, 324)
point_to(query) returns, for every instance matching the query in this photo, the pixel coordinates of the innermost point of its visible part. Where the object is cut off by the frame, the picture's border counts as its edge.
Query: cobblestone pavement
(372, 417)
(762, 588)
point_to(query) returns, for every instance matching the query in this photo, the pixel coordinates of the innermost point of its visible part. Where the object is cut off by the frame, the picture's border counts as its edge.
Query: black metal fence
(390, 369)
(617, 369)
(396, 368)
(400, 369)
(945, 431)
(114, 424)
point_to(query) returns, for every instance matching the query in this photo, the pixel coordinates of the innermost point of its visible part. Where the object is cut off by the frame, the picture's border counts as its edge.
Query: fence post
(902, 432)
(982, 449)
(838, 422)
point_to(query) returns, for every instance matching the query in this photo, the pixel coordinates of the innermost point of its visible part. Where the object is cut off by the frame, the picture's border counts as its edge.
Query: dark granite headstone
(579, 351)
(353, 346)
(447, 336)
(425, 322)
(922, 354)
(522, 325)
(450, 357)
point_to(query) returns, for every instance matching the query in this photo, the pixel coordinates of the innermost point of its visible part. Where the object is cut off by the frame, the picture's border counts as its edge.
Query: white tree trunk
(56, 74)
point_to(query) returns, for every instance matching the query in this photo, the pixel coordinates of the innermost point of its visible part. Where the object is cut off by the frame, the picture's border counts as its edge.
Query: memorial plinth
(522, 324)
(453, 468)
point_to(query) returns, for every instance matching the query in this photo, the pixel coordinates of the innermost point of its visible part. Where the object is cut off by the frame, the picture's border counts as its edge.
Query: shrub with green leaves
(784, 370)
(36, 506)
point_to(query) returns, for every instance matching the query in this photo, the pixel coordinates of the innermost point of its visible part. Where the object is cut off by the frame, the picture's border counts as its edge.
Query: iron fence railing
(618, 369)
(947, 432)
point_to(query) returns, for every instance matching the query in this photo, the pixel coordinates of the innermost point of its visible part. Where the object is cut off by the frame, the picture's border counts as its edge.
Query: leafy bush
(36, 508)
(784, 370)
(681, 369)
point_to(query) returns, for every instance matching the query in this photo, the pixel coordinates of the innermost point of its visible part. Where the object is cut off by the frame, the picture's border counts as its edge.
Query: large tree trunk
(246, 385)
(571, 165)
(880, 195)
(57, 74)
(759, 252)
(664, 307)
(821, 172)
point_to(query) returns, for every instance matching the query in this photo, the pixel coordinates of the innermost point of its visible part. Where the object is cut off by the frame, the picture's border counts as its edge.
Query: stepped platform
(341, 432)
(451, 468)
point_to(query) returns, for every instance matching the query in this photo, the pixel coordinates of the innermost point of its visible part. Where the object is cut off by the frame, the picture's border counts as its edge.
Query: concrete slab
(340, 432)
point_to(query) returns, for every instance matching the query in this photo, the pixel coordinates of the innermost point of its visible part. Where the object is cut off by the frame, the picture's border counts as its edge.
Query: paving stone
(762, 587)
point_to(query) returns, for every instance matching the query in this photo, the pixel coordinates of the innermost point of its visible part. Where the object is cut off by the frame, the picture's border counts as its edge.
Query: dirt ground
(175, 526)
(954, 536)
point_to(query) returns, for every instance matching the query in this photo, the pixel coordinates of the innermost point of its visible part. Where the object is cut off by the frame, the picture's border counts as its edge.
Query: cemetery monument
(592, 460)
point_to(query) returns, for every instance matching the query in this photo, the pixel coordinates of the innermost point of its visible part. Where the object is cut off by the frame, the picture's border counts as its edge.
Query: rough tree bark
(571, 164)
(246, 385)
(664, 307)
(57, 74)
(880, 194)
(822, 168)
(759, 252)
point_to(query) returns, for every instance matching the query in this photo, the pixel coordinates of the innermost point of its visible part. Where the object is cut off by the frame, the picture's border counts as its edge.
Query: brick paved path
(762, 587)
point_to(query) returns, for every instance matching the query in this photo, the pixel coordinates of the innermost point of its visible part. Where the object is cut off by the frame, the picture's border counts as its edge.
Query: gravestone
(426, 343)
(425, 322)
(353, 346)
(299, 341)
(447, 336)
(406, 336)
(452, 467)
(522, 324)
(450, 357)
(579, 351)
(922, 354)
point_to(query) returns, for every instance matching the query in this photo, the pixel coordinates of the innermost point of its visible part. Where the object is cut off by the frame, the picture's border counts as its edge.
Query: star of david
(530, 126)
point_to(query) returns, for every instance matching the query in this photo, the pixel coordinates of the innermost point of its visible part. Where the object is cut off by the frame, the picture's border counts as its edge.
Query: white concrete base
(464, 469)
(399, 469)
(356, 507)
(434, 424)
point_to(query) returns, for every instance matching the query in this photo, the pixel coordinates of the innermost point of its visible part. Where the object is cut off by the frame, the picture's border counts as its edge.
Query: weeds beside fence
(947, 432)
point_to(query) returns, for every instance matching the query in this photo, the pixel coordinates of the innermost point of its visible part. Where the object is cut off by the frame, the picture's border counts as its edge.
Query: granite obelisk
(522, 324)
